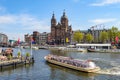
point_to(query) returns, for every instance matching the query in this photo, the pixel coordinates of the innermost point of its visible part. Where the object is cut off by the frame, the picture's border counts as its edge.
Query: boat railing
(74, 62)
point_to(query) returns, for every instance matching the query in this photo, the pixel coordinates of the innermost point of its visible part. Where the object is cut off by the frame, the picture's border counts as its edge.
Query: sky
(20, 17)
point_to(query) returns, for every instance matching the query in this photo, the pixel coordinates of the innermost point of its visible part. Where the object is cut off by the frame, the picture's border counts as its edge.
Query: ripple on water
(110, 71)
(107, 67)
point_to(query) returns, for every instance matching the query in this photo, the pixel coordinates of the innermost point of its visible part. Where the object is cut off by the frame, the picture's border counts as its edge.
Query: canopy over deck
(93, 45)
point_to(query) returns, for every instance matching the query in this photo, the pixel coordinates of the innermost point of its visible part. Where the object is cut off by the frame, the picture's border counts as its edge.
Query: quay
(107, 48)
(8, 60)
(15, 62)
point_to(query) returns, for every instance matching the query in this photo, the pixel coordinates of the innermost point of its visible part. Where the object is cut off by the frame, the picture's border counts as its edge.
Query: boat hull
(91, 50)
(72, 67)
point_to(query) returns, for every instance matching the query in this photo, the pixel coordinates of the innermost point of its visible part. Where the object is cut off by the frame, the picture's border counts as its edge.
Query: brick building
(3, 39)
(60, 32)
(43, 38)
(36, 37)
(27, 38)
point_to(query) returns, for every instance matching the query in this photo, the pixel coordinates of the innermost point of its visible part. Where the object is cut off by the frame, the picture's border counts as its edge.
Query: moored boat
(80, 65)
(35, 47)
(91, 50)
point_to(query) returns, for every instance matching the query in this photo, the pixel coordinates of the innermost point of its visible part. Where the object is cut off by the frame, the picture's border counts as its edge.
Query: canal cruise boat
(80, 65)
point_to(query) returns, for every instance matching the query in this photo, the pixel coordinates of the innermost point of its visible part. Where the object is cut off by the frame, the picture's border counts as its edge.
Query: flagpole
(31, 48)
(19, 48)
(19, 45)
(31, 51)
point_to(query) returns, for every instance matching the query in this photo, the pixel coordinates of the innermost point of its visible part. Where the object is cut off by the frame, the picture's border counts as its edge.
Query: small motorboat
(91, 50)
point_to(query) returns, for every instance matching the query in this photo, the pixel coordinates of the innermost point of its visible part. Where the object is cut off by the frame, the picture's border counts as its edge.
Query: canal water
(41, 70)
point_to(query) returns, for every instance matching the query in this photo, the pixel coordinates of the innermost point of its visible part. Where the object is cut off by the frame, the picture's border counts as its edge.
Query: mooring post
(13, 64)
(32, 59)
(1, 66)
(25, 61)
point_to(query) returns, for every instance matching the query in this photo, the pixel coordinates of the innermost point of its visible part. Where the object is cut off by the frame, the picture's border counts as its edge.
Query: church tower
(53, 20)
(61, 32)
(64, 20)
(64, 27)
(53, 27)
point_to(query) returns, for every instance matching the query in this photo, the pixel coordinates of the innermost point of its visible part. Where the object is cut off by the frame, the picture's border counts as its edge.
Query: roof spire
(53, 16)
(64, 12)
(53, 12)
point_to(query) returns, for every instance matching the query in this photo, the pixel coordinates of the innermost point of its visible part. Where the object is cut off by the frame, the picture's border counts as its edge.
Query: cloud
(18, 25)
(28, 22)
(7, 19)
(15, 36)
(101, 21)
(106, 2)
(117, 24)
(31, 23)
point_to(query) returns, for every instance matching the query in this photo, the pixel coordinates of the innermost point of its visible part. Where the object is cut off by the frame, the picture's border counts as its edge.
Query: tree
(118, 34)
(27, 54)
(110, 35)
(78, 36)
(103, 36)
(89, 37)
(114, 33)
(9, 57)
(18, 54)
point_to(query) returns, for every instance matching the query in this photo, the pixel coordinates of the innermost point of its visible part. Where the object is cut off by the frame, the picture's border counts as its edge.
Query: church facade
(61, 32)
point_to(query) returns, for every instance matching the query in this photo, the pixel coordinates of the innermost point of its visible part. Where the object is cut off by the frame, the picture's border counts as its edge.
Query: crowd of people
(6, 54)
(3, 58)
(74, 62)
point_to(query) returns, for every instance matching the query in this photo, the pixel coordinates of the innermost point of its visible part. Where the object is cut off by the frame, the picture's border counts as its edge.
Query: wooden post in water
(1, 66)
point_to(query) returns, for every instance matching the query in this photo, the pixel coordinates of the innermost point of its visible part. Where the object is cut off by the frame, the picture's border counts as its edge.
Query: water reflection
(9, 70)
(41, 70)
(107, 63)
(61, 73)
(59, 53)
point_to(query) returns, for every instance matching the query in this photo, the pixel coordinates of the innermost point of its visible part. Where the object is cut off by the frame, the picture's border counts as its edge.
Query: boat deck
(72, 66)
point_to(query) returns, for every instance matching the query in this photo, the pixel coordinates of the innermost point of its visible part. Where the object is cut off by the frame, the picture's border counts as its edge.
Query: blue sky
(19, 17)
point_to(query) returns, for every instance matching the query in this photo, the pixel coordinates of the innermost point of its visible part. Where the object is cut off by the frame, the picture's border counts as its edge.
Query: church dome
(64, 16)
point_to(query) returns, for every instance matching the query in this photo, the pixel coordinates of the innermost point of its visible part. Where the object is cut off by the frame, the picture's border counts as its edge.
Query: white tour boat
(80, 65)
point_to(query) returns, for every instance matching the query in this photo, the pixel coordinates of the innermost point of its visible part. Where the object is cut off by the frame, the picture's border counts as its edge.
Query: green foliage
(118, 34)
(104, 36)
(89, 37)
(18, 54)
(9, 57)
(27, 54)
(110, 35)
(114, 33)
(78, 36)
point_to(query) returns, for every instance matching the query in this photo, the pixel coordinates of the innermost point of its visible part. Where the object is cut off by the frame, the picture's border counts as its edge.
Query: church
(61, 32)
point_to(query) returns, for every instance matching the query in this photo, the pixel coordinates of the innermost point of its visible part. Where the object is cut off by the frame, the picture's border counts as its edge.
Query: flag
(67, 40)
(32, 41)
(116, 39)
(18, 42)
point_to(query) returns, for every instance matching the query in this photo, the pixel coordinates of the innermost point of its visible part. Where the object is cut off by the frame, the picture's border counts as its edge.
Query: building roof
(93, 44)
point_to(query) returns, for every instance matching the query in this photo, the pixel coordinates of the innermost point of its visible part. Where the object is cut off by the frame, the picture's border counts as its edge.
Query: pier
(15, 62)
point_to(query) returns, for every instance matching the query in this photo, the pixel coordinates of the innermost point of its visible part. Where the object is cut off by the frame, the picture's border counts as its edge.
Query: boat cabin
(95, 46)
